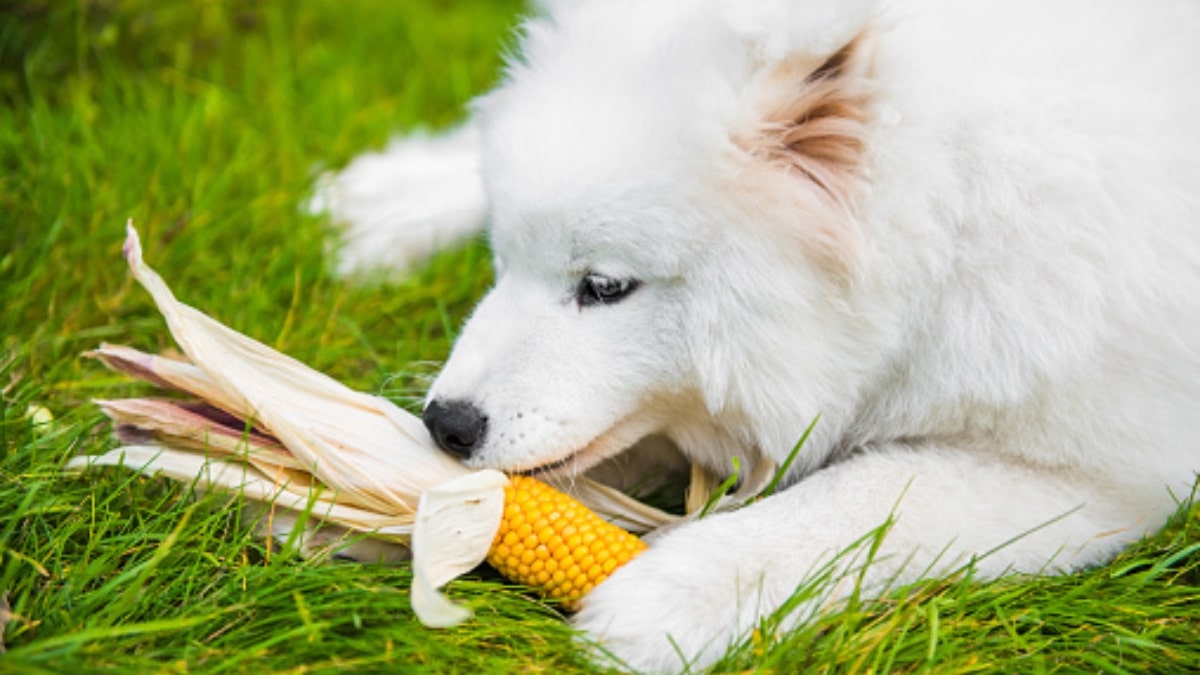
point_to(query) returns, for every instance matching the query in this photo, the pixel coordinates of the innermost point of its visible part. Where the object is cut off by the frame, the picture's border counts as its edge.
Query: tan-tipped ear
(813, 121)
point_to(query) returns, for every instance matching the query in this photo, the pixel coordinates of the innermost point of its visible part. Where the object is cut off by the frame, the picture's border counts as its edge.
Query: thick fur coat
(964, 233)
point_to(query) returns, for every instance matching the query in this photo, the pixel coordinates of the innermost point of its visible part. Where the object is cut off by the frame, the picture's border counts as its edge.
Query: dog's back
(1042, 167)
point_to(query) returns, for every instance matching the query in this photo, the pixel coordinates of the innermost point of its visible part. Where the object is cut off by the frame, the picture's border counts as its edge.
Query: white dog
(964, 233)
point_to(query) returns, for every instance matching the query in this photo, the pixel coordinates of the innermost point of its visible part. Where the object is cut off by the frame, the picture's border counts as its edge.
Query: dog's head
(672, 190)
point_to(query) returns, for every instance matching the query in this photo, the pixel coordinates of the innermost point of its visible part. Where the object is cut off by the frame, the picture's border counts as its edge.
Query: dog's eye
(597, 289)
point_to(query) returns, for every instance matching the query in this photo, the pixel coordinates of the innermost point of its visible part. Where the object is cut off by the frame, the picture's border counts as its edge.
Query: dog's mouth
(550, 468)
(621, 436)
(576, 462)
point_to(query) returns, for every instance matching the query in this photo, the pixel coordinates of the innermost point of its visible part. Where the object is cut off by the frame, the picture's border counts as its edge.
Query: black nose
(458, 427)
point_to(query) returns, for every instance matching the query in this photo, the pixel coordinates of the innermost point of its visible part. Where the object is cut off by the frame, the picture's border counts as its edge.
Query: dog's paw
(680, 605)
(397, 207)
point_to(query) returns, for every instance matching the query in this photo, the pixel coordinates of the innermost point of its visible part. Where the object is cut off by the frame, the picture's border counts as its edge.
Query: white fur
(398, 206)
(1011, 347)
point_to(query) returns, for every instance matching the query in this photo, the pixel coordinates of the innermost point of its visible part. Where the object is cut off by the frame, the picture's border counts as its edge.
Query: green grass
(206, 122)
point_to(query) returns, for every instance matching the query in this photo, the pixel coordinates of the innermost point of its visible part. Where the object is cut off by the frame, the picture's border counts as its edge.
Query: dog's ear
(810, 94)
(809, 107)
(812, 120)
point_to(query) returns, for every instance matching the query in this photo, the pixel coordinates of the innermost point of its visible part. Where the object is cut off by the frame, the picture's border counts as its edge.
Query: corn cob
(550, 542)
(267, 426)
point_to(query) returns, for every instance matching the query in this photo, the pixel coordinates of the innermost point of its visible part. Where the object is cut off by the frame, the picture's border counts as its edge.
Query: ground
(206, 122)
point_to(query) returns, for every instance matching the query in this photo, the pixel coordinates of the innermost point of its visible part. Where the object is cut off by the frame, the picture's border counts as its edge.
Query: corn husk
(254, 421)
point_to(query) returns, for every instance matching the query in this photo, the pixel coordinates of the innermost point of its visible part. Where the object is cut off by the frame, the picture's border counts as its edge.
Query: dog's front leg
(704, 585)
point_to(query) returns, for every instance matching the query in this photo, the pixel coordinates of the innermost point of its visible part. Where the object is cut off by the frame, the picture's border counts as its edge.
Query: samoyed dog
(966, 234)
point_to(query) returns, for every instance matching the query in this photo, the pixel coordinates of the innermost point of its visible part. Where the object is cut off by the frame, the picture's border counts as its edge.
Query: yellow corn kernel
(549, 541)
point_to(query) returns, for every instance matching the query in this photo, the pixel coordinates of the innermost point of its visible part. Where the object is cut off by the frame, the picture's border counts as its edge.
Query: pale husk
(351, 441)
(213, 473)
(455, 526)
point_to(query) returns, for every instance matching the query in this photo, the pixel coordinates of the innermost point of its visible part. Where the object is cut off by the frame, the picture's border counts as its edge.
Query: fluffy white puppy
(964, 233)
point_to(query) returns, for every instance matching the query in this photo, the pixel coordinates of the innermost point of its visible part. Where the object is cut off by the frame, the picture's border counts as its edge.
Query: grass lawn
(206, 123)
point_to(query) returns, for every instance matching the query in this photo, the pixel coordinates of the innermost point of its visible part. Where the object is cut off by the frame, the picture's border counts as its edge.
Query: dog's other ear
(810, 93)
(812, 120)
(809, 104)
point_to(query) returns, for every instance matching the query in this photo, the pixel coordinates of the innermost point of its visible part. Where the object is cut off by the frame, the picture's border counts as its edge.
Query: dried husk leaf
(286, 490)
(194, 425)
(166, 373)
(357, 444)
(700, 489)
(613, 505)
(455, 526)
